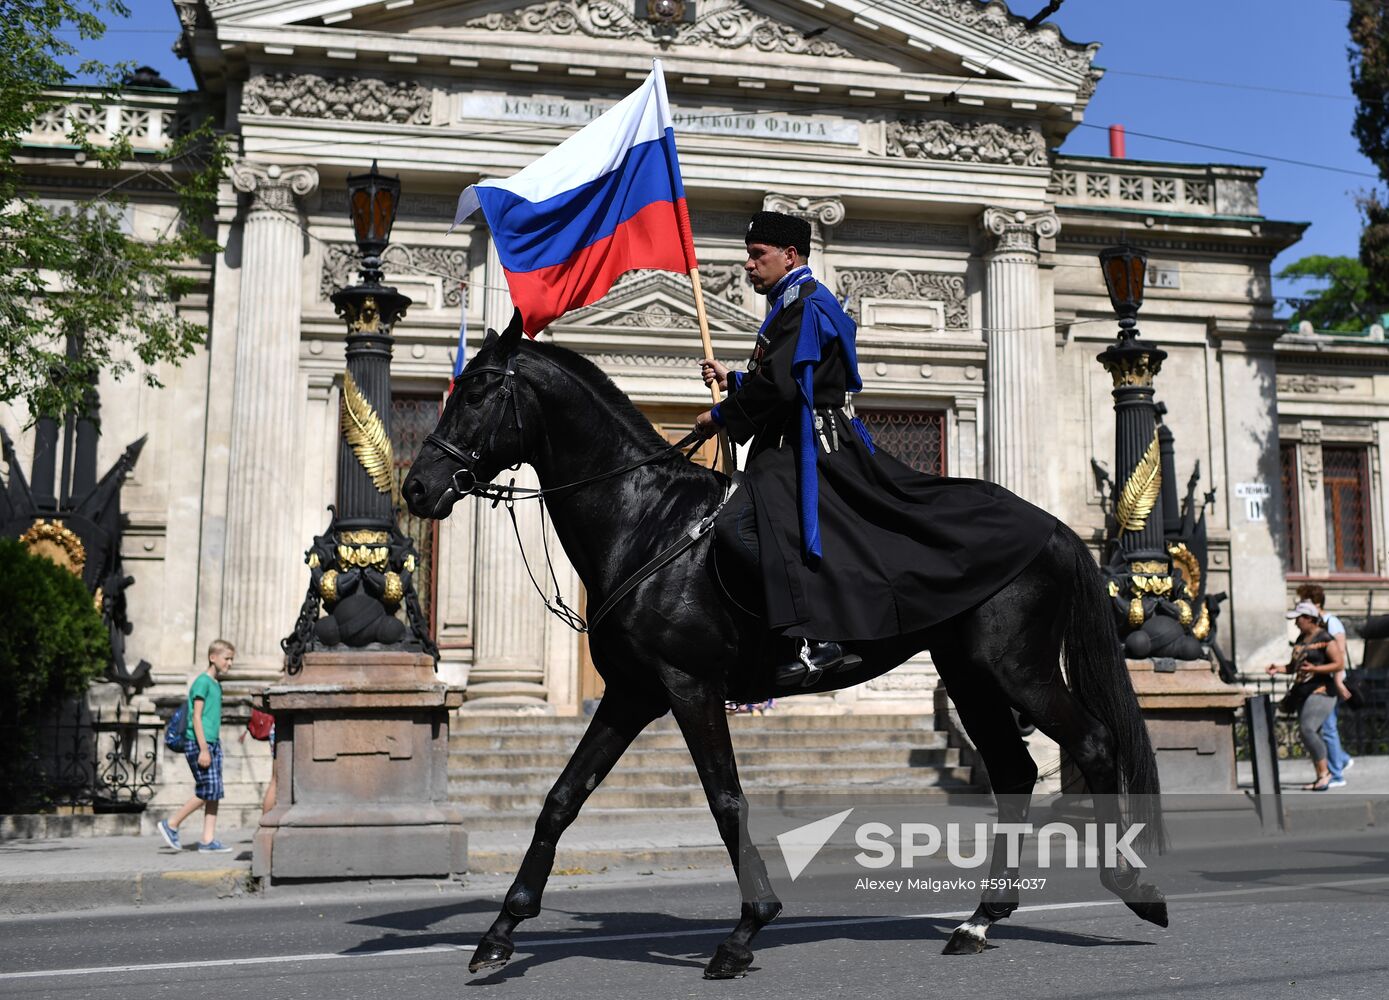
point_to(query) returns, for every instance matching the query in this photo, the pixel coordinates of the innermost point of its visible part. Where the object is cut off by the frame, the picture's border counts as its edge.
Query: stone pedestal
(1190, 713)
(362, 771)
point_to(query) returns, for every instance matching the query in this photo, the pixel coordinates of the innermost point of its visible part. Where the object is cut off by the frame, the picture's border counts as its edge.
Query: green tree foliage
(53, 643)
(1341, 303)
(78, 294)
(1369, 76)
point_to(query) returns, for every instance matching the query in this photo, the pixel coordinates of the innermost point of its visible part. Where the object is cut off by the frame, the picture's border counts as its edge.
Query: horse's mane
(622, 407)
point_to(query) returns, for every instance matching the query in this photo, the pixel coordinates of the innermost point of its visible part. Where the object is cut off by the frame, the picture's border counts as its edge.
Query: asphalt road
(1282, 918)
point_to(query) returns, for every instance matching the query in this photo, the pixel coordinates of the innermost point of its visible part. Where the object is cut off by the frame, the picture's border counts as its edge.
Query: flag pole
(725, 447)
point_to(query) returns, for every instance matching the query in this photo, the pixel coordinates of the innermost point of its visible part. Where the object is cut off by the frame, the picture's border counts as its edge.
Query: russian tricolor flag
(605, 201)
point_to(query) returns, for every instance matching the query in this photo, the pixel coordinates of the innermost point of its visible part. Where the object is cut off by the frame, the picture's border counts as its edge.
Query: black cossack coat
(901, 550)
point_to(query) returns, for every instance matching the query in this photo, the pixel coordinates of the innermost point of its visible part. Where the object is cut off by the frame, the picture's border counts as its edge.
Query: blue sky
(1275, 83)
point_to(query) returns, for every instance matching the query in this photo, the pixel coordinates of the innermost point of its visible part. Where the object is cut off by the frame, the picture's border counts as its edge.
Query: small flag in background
(460, 356)
(607, 200)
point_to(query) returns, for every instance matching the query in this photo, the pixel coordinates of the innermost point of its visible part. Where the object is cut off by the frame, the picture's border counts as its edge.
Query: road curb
(84, 892)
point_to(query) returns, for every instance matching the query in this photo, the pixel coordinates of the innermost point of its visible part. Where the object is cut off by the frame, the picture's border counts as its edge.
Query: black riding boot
(814, 660)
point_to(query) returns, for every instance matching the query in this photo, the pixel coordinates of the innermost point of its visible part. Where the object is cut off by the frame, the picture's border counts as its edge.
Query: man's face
(766, 265)
(221, 662)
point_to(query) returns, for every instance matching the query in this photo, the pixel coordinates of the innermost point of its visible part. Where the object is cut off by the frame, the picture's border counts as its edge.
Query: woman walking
(1316, 660)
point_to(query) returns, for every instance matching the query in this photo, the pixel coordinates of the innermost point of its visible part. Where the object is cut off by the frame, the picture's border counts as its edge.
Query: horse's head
(479, 434)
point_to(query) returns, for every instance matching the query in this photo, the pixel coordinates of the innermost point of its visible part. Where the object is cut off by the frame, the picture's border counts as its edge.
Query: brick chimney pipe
(1116, 142)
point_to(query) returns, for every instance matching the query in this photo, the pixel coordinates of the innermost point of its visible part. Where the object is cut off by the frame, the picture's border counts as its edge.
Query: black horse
(677, 644)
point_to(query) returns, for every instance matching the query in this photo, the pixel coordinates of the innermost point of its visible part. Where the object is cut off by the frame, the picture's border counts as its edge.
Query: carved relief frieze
(341, 260)
(342, 98)
(1312, 384)
(995, 20)
(725, 24)
(724, 281)
(967, 142)
(654, 316)
(884, 283)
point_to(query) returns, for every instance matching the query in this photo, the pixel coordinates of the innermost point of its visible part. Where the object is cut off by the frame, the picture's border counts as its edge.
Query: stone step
(764, 776)
(524, 803)
(463, 763)
(829, 740)
(548, 723)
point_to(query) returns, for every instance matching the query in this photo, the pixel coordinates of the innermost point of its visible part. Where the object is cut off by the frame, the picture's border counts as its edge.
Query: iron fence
(1363, 731)
(104, 760)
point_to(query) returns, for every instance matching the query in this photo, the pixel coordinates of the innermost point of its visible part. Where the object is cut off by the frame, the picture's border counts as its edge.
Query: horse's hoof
(1152, 907)
(490, 955)
(965, 941)
(731, 961)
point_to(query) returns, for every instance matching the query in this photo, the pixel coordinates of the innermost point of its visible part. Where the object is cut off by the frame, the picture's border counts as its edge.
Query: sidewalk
(79, 873)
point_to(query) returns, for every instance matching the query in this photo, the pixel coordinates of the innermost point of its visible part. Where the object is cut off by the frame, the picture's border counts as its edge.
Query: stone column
(264, 579)
(1020, 353)
(1311, 501)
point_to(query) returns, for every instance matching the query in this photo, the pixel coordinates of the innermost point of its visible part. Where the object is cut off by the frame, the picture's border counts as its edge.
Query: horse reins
(510, 493)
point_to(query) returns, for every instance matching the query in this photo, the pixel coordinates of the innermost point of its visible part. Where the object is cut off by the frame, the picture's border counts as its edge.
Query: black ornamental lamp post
(1139, 569)
(362, 567)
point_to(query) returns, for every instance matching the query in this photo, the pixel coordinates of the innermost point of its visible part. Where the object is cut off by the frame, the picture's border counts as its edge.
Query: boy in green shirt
(203, 748)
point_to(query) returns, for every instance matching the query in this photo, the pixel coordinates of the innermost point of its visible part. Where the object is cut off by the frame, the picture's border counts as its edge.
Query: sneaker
(214, 847)
(1350, 762)
(1337, 783)
(169, 834)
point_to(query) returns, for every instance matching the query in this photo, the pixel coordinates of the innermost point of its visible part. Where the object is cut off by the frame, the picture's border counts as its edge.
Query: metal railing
(104, 760)
(1363, 732)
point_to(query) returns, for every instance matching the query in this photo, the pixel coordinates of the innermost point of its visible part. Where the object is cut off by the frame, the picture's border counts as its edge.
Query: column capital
(272, 186)
(821, 213)
(1018, 230)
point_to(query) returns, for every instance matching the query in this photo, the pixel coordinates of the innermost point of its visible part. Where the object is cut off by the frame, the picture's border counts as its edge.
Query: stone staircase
(500, 769)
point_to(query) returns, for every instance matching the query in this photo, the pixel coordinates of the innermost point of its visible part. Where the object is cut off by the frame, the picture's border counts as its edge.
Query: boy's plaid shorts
(207, 782)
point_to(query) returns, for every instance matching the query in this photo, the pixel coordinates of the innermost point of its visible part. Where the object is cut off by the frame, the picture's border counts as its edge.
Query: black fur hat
(778, 230)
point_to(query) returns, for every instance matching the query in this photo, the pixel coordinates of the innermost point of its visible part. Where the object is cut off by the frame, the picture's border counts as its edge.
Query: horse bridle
(510, 493)
(468, 461)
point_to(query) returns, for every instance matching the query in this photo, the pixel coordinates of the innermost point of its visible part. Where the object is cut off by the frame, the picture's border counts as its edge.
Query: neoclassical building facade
(918, 136)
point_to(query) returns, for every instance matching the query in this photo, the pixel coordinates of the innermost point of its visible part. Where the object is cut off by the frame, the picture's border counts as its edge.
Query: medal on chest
(755, 361)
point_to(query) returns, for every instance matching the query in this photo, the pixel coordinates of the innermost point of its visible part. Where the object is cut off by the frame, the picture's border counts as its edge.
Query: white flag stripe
(596, 149)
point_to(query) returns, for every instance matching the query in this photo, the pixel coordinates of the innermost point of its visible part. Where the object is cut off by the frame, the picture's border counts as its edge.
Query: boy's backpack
(178, 725)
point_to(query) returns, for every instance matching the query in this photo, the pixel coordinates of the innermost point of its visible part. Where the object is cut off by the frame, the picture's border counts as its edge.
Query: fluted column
(263, 576)
(1019, 352)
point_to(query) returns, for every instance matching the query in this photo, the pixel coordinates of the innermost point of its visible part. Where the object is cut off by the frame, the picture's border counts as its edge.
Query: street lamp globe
(372, 199)
(1124, 268)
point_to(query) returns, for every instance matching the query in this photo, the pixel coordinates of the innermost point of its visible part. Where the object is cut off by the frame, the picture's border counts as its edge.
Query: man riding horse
(849, 543)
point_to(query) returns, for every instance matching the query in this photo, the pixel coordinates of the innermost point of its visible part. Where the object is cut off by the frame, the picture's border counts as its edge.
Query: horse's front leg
(618, 721)
(1000, 896)
(699, 709)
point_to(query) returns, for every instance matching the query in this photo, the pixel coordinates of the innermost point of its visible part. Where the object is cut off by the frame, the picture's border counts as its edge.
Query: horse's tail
(1100, 680)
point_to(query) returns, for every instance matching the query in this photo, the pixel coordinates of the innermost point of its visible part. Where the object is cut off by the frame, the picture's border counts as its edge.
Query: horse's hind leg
(704, 723)
(986, 717)
(618, 721)
(1090, 746)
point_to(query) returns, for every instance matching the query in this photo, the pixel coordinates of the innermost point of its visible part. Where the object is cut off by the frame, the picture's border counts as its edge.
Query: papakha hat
(778, 230)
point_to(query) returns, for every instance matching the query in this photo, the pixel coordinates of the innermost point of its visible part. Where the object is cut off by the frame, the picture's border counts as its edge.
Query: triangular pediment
(661, 300)
(965, 38)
